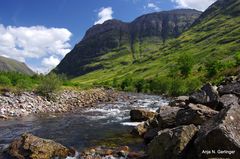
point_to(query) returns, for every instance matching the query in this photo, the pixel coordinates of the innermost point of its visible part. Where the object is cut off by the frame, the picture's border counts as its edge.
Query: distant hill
(10, 65)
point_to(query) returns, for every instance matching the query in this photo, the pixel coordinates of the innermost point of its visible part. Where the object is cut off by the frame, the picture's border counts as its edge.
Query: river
(105, 124)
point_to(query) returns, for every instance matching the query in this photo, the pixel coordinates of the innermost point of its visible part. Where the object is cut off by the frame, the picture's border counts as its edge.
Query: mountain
(124, 39)
(10, 65)
(212, 38)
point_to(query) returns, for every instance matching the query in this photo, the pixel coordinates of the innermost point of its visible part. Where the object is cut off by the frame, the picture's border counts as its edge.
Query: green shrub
(160, 85)
(127, 82)
(185, 64)
(49, 84)
(141, 85)
(24, 83)
(213, 68)
(178, 87)
(237, 58)
(4, 80)
(193, 84)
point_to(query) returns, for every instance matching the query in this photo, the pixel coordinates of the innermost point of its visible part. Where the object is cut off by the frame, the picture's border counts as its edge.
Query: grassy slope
(7, 64)
(213, 38)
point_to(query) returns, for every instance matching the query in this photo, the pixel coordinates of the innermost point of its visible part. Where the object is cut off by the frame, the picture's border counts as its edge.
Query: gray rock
(208, 95)
(167, 116)
(195, 114)
(231, 88)
(171, 143)
(222, 132)
(228, 100)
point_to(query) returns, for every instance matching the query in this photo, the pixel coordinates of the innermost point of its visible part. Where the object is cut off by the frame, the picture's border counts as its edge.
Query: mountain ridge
(11, 65)
(115, 34)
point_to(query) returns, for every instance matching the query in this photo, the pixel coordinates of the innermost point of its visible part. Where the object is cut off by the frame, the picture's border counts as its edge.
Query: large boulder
(195, 114)
(230, 88)
(167, 116)
(138, 115)
(208, 95)
(171, 143)
(220, 136)
(30, 146)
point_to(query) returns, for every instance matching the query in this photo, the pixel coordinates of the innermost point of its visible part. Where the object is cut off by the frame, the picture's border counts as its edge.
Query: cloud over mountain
(104, 14)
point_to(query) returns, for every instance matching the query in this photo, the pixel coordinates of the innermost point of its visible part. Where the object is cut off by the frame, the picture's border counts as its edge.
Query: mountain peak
(106, 26)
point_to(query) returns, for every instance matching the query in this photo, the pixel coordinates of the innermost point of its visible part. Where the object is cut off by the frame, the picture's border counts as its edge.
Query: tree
(185, 64)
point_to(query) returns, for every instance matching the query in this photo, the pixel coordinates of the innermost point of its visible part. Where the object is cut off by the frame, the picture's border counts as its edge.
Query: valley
(165, 85)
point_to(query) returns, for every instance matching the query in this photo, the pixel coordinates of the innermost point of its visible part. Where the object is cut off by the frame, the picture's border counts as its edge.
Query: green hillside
(212, 42)
(10, 65)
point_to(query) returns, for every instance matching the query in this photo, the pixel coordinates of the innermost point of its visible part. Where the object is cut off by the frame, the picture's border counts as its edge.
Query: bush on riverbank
(49, 84)
(44, 85)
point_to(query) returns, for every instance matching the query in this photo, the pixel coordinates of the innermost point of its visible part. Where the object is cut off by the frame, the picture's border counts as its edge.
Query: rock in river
(138, 115)
(171, 143)
(30, 146)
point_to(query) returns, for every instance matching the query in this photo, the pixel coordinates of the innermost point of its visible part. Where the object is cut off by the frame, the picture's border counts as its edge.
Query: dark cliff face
(113, 34)
(165, 25)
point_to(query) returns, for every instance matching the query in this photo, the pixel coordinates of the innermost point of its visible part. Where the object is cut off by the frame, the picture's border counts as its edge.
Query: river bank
(14, 105)
(201, 125)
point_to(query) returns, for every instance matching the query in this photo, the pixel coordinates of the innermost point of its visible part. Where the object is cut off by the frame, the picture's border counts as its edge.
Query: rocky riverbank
(203, 125)
(23, 104)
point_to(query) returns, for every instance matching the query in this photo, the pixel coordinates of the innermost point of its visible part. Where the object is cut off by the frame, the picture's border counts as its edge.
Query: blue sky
(41, 32)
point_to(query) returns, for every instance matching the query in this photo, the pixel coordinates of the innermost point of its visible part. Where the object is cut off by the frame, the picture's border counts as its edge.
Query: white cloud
(50, 61)
(195, 4)
(34, 42)
(104, 14)
(46, 64)
(153, 6)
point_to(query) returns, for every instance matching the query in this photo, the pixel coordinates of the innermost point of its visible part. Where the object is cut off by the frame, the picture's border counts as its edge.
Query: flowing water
(84, 128)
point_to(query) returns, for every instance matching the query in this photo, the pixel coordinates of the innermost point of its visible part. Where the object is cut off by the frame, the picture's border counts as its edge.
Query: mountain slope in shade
(121, 39)
(10, 65)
